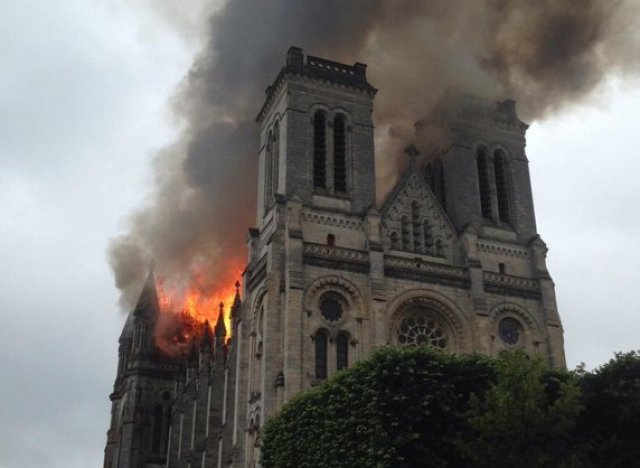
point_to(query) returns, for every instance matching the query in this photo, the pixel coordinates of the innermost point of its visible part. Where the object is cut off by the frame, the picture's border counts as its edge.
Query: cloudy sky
(84, 89)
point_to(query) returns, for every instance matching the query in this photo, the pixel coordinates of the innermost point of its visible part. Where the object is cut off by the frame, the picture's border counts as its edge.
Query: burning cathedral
(451, 259)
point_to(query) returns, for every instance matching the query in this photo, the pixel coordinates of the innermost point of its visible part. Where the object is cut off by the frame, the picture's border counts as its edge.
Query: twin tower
(451, 259)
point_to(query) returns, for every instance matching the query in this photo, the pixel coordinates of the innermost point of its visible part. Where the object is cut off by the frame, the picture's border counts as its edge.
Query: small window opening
(501, 268)
(395, 240)
(331, 240)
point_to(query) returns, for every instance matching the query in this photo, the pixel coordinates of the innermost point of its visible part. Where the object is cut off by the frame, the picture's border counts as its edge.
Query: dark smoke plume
(546, 54)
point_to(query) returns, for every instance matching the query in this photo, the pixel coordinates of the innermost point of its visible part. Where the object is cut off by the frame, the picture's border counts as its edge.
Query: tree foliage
(526, 419)
(416, 407)
(411, 407)
(610, 424)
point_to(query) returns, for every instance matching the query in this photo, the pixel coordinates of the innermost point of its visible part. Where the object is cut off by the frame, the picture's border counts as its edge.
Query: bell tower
(479, 170)
(316, 136)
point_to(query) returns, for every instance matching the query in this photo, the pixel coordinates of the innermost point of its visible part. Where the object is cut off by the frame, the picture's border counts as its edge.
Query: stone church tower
(451, 259)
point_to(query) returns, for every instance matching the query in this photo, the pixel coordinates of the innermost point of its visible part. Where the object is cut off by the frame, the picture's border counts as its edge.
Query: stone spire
(207, 338)
(221, 329)
(237, 302)
(148, 305)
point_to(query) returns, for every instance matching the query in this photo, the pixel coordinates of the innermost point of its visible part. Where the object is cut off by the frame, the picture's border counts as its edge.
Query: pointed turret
(221, 329)
(148, 304)
(237, 302)
(207, 339)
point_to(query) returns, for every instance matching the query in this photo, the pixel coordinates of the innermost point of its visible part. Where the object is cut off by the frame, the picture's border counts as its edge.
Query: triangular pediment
(413, 219)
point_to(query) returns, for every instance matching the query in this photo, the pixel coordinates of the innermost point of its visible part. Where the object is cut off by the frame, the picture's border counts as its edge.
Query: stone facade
(451, 259)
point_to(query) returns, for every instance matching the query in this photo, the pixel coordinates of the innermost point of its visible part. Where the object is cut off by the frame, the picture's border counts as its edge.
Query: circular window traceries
(418, 328)
(509, 330)
(331, 307)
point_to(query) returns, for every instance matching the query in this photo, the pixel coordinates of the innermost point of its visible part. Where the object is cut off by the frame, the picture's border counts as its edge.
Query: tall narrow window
(340, 154)
(157, 429)
(416, 227)
(275, 163)
(428, 237)
(268, 168)
(395, 240)
(406, 233)
(320, 150)
(483, 183)
(321, 354)
(499, 165)
(342, 351)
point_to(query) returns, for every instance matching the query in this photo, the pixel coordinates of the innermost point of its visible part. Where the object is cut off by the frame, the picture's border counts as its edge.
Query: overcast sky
(83, 107)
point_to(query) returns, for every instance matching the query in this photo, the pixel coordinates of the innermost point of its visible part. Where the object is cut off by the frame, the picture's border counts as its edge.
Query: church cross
(413, 153)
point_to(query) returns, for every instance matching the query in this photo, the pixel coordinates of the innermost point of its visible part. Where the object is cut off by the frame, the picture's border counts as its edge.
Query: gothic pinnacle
(220, 329)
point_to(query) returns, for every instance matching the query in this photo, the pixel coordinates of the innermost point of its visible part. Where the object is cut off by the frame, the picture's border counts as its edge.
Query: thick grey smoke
(546, 54)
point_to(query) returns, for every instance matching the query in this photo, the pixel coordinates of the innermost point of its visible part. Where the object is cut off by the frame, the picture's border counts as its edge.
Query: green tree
(402, 407)
(610, 424)
(415, 407)
(526, 419)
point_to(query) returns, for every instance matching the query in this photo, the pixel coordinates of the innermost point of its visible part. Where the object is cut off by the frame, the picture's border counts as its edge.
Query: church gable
(413, 220)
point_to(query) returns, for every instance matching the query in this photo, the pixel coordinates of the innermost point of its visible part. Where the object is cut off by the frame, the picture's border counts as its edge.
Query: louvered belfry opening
(339, 154)
(484, 183)
(501, 186)
(320, 150)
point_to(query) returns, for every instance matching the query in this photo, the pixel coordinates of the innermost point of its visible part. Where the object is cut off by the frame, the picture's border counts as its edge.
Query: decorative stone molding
(338, 258)
(339, 253)
(328, 220)
(419, 270)
(510, 285)
(502, 250)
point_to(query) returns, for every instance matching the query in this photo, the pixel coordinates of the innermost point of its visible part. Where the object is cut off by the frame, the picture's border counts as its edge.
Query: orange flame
(186, 307)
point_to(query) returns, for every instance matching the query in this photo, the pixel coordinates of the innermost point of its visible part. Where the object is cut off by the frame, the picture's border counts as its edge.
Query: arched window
(161, 421)
(416, 227)
(321, 341)
(331, 240)
(268, 171)
(340, 154)
(502, 189)
(440, 248)
(484, 183)
(157, 428)
(275, 164)
(395, 240)
(320, 150)
(342, 351)
(406, 234)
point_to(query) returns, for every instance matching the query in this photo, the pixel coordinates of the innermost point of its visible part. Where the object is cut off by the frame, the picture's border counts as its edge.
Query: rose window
(509, 331)
(419, 329)
(331, 307)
